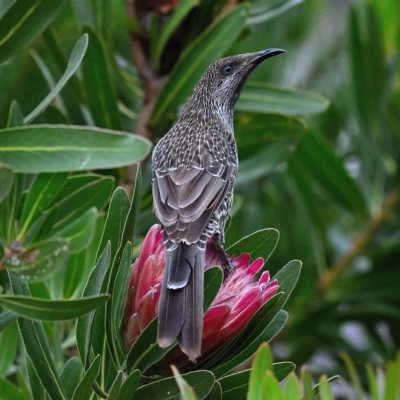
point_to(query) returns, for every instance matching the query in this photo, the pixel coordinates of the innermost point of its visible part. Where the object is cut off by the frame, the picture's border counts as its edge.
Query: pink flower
(238, 299)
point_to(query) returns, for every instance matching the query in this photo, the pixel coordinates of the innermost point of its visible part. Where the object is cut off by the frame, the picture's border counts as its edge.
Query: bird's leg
(228, 267)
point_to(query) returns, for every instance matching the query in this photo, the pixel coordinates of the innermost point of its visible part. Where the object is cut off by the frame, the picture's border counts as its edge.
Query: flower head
(238, 299)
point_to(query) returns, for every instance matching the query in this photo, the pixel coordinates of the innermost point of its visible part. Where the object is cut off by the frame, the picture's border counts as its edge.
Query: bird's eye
(227, 70)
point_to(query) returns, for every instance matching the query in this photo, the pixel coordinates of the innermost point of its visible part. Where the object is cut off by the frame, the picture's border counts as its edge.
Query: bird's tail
(180, 313)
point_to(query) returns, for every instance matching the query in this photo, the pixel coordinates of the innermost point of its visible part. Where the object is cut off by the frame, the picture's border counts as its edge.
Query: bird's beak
(264, 54)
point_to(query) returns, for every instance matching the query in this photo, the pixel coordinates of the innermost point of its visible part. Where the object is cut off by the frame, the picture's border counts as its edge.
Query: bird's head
(223, 80)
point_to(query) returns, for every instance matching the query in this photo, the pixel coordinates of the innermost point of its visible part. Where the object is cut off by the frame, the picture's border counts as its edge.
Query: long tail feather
(180, 312)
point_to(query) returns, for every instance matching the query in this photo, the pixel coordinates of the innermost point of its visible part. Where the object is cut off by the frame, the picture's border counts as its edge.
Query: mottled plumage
(194, 169)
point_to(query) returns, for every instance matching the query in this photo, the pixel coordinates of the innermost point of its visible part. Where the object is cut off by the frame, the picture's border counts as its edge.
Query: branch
(359, 243)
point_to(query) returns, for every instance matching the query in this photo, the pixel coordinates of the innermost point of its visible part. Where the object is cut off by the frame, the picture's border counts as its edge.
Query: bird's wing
(185, 199)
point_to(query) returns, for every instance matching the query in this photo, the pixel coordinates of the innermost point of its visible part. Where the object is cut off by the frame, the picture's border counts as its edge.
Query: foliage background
(321, 166)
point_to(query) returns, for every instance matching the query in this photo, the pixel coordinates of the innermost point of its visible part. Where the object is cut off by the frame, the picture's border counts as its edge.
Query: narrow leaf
(130, 385)
(262, 363)
(22, 22)
(51, 310)
(93, 287)
(196, 58)
(174, 20)
(37, 348)
(258, 244)
(317, 160)
(98, 82)
(200, 381)
(186, 391)
(84, 388)
(6, 181)
(266, 98)
(80, 232)
(264, 11)
(71, 375)
(74, 61)
(145, 352)
(6, 318)
(15, 115)
(39, 197)
(9, 343)
(34, 149)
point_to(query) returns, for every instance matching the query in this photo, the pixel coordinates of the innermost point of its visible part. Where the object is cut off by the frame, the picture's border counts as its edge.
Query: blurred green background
(317, 128)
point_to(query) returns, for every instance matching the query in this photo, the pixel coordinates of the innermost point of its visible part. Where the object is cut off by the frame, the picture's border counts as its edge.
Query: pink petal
(255, 266)
(154, 235)
(132, 330)
(214, 320)
(146, 310)
(264, 278)
(242, 261)
(145, 278)
(270, 290)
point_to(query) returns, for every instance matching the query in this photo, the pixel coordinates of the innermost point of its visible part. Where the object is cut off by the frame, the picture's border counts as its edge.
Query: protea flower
(238, 299)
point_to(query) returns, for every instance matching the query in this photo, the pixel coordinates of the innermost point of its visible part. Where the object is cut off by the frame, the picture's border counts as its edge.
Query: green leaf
(262, 363)
(216, 392)
(130, 385)
(255, 129)
(180, 12)
(145, 351)
(264, 162)
(200, 381)
(36, 387)
(51, 310)
(316, 159)
(213, 278)
(115, 221)
(71, 375)
(74, 61)
(263, 11)
(258, 244)
(287, 278)
(15, 115)
(235, 386)
(80, 232)
(84, 388)
(37, 348)
(266, 98)
(98, 82)
(93, 288)
(22, 22)
(120, 292)
(10, 392)
(307, 384)
(367, 61)
(93, 193)
(292, 387)
(283, 369)
(39, 197)
(40, 260)
(6, 318)
(247, 342)
(54, 148)
(6, 181)
(115, 389)
(271, 389)
(9, 343)
(186, 391)
(325, 390)
(196, 58)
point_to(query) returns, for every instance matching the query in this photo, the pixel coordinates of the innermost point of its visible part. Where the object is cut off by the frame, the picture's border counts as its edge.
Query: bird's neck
(204, 108)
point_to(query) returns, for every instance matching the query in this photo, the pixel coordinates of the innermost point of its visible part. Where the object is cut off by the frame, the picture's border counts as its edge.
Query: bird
(194, 168)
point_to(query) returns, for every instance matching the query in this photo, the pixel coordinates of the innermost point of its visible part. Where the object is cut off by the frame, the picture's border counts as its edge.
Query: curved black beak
(264, 54)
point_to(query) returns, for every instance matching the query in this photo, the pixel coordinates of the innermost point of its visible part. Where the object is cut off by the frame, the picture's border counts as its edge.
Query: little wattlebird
(194, 168)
